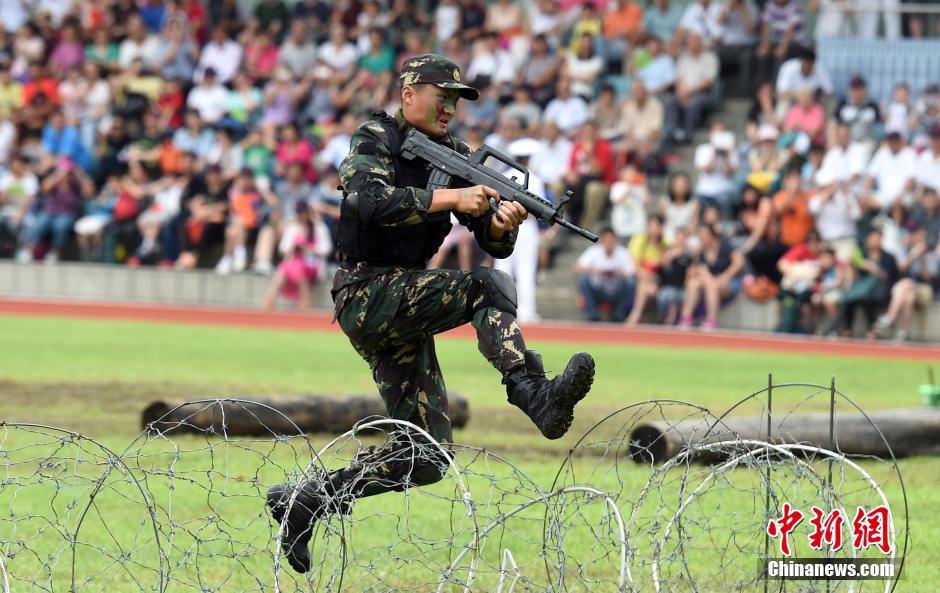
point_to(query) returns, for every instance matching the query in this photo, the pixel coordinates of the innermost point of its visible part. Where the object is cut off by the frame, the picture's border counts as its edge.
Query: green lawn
(96, 377)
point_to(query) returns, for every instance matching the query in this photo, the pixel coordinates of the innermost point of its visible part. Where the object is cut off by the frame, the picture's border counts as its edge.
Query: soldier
(390, 306)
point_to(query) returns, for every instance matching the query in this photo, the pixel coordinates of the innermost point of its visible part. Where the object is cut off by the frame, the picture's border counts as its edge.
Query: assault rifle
(449, 165)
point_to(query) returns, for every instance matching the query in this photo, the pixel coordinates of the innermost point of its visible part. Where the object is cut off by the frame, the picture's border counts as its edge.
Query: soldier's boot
(312, 503)
(550, 403)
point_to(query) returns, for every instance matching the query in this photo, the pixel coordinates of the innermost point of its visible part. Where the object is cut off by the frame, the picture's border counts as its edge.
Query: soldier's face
(430, 108)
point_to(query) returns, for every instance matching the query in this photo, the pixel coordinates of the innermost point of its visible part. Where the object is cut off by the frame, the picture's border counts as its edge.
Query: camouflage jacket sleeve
(368, 170)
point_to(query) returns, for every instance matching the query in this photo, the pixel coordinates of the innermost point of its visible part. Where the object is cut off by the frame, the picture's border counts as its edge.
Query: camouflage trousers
(391, 320)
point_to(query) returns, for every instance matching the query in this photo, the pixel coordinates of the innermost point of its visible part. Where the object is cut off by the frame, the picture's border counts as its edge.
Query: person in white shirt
(716, 162)
(629, 198)
(550, 162)
(889, 177)
(606, 275)
(928, 164)
(522, 265)
(702, 18)
(567, 111)
(222, 55)
(209, 98)
(338, 53)
(297, 52)
(138, 45)
(696, 73)
(844, 162)
(446, 21)
(802, 71)
(836, 212)
(18, 189)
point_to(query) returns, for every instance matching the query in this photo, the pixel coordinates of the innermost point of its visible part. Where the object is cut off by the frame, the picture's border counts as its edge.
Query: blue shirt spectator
(62, 140)
(662, 19)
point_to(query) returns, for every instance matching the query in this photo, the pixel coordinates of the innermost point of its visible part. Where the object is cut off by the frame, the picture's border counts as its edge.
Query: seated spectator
(524, 108)
(641, 121)
(176, 55)
(62, 193)
(673, 271)
(339, 54)
(227, 153)
(298, 52)
(258, 154)
(791, 204)
(302, 264)
(919, 270)
(806, 118)
(889, 180)
(97, 213)
(898, 113)
(18, 190)
(630, 201)
(836, 213)
(590, 174)
(102, 48)
(380, 57)
(550, 162)
(566, 111)
(40, 82)
(606, 277)
(713, 278)
(656, 70)
(762, 247)
(545, 20)
(335, 143)
(763, 110)
(246, 214)
(194, 138)
(290, 191)
(926, 115)
(876, 272)
(205, 211)
(170, 105)
(781, 36)
(222, 55)
(646, 249)
(716, 162)
(69, 52)
(243, 103)
(605, 113)
(282, 97)
(802, 71)
(623, 26)
(208, 98)
(661, 19)
(587, 21)
(696, 73)
(293, 148)
(834, 279)
(764, 159)
(61, 140)
(844, 162)
(540, 71)
(583, 68)
(138, 45)
(860, 114)
(927, 216)
(702, 19)
(167, 197)
(677, 208)
(799, 269)
(261, 56)
(739, 22)
(928, 163)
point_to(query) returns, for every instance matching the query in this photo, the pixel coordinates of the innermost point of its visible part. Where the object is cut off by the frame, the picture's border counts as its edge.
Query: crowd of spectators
(208, 133)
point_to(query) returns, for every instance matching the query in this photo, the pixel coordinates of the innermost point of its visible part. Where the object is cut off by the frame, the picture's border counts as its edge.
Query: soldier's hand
(508, 217)
(475, 200)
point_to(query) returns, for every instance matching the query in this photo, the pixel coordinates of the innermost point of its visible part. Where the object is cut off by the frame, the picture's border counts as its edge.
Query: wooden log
(261, 417)
(914, 431)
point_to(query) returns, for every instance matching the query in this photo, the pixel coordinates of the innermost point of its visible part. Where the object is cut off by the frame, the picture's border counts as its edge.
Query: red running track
(549, 332)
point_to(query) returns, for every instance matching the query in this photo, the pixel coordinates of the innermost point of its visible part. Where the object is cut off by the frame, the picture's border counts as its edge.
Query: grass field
(96, 377)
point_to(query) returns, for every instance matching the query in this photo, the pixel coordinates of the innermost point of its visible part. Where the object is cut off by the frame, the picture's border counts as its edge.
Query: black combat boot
(550, 403)
(312, 503)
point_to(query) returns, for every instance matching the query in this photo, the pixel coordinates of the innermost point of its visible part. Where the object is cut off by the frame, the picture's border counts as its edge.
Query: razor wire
(658, 496)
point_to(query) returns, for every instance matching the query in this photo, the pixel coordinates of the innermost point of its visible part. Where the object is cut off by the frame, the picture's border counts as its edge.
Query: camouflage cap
(437, 70)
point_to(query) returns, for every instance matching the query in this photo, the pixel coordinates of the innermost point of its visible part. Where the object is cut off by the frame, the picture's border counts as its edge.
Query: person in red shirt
(40, 82)
(170, 105)
(590, 174)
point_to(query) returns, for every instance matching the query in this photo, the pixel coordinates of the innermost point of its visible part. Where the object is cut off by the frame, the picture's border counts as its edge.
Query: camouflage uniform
(391, 313)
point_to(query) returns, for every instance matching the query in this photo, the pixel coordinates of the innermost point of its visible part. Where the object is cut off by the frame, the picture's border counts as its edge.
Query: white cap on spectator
(524, 147)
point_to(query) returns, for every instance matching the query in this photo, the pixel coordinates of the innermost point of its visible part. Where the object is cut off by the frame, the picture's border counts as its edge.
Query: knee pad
(497, 288)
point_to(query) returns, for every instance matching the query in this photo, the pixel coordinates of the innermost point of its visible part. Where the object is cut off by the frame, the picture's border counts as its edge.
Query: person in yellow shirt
(11, 93)
(588, 22)
(647, 248)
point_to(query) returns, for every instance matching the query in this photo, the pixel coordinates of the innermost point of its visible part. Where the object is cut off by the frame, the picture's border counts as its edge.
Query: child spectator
(606, 277)
(713, 277)
(799, 268)
(834, 280)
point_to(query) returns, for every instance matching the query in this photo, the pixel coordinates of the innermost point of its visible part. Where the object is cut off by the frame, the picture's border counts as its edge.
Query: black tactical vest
(407, 246)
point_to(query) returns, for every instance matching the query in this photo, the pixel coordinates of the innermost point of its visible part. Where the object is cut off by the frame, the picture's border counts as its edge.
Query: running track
(548, 332)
